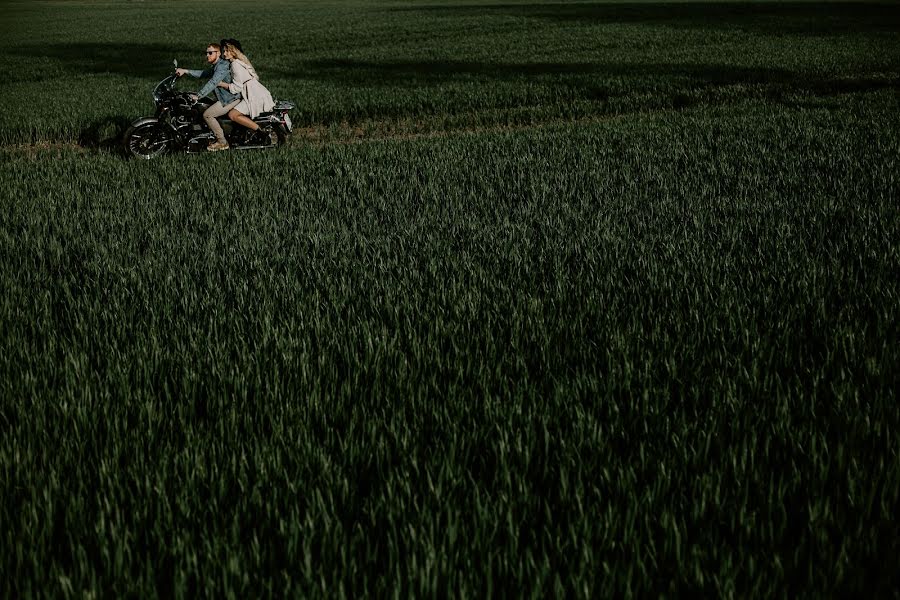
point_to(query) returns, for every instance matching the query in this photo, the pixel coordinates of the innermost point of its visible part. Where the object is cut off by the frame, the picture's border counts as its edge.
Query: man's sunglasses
(208, 52)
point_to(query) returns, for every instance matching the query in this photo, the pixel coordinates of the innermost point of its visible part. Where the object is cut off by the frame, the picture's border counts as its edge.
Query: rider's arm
(199, 73)
(218, 75)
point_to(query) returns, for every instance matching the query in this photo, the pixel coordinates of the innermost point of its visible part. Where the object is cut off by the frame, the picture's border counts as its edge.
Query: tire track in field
(345, 133)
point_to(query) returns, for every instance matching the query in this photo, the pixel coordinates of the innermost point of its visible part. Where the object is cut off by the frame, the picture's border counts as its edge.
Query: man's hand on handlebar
(180, 72)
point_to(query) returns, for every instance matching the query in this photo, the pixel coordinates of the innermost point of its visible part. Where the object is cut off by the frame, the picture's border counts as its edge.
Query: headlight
(158, 92)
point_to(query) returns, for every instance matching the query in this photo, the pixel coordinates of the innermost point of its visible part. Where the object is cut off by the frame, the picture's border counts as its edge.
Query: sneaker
(216, 146)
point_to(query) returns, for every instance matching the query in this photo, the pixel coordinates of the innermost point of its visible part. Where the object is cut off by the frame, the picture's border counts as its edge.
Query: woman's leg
(242, 119)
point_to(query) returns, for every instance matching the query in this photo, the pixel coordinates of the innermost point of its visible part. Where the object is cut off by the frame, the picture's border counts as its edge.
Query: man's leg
(210, 114)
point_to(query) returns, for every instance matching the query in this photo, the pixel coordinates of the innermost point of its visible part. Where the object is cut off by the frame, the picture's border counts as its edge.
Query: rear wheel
(270, 136)
(149, 140)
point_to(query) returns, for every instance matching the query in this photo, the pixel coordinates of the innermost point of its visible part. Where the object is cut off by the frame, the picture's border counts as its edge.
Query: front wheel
(149, 140)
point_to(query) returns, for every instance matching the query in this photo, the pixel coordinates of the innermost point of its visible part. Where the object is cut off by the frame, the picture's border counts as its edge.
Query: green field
(560, 299)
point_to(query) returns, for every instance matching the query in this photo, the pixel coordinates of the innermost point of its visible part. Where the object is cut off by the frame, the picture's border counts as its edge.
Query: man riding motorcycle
(218, 71)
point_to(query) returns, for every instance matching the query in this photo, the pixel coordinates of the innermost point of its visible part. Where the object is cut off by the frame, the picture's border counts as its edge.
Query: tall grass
(652, 355)
(604, 302)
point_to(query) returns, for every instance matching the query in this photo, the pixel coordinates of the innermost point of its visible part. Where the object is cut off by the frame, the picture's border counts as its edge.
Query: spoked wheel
(276, 137)
(264, 138)
(268, 137)
(149, 140)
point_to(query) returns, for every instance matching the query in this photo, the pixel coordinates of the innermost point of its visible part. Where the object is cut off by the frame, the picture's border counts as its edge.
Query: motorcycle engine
(181, 122)
(198, 143)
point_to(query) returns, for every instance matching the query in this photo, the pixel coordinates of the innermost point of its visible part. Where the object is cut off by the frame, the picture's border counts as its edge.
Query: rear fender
(276, 119)
(267, 118)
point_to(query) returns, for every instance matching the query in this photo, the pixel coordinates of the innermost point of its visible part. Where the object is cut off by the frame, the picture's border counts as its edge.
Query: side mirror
(175, 62)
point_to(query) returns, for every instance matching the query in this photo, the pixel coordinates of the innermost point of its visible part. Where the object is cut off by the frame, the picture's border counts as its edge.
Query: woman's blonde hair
(237, 54)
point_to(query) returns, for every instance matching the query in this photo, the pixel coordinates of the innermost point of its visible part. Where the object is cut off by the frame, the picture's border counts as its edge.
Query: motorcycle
(178, 125)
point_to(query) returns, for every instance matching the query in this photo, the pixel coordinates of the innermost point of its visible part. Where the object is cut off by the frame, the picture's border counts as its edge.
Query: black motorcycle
(178, 125)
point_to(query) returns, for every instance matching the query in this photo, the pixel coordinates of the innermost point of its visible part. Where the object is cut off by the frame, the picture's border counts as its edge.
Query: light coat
(245, 81)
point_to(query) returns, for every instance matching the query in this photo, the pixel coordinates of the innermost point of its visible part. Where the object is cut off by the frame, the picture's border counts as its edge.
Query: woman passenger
(255, 98)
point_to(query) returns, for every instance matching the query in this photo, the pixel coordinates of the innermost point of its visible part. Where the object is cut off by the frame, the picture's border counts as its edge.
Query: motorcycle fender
(147, 120)
(143, 121)
(275, 121)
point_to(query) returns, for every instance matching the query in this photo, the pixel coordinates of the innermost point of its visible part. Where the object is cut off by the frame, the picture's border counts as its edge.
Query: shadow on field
(105, 135)
(776, 18)
(137, 60)
(591, 80)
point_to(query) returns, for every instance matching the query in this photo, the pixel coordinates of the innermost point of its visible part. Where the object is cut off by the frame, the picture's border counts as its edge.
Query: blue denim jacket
(221, 71)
